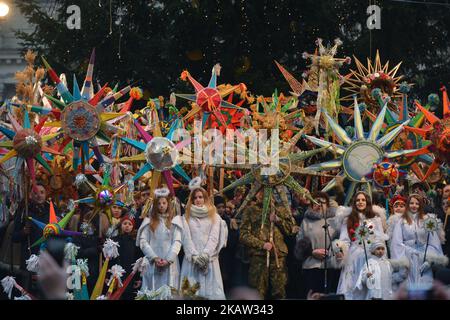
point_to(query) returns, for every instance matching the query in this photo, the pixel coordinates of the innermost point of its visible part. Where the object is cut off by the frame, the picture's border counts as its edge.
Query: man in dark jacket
(442, 209)
(24, 231)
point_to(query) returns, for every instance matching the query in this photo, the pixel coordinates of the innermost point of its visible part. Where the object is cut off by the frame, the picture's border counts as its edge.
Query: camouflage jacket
(252, 236)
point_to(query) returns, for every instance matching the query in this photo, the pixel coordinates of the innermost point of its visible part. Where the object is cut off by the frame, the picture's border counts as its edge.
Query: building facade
(11, 59)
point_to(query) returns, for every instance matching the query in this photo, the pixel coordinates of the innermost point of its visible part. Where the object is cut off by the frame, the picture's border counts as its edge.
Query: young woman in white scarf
(352, 256)
(410, 238)
(204, 235)
(159, 238)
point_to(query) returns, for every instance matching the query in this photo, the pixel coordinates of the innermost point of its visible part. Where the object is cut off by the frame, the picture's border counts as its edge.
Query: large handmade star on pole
(437, 131)
(289, 163)
(159, 154)
(313, 83)
(405, 139)
(208, 100)
(53, 227)
(25, 144)
(278, 113)
(104, 196)
(357, 155)
(83, 117)
(374, 75)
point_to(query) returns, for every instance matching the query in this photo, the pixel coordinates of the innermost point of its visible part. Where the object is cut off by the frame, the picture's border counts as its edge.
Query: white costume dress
(202, 236)
(354, 257)
(164, 243)
(410, 240)
(391, 222)
(379, 285)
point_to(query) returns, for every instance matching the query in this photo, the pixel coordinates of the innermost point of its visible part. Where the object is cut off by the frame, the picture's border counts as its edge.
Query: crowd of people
(316, 249)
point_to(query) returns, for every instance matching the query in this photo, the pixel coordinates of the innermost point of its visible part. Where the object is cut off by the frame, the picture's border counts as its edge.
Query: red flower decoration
(357, 225)
(352, 231)
(353, 239)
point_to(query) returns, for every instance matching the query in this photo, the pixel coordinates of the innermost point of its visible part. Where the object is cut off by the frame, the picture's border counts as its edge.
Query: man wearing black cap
(225, 256)
(25, 233)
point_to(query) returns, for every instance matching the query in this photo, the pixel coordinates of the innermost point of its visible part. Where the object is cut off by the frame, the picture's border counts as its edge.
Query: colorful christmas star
(54, 227)
(25, 144)
(208, 100)
(104, 195)
(375, 75)
(437, 131)
(263, 177)
(83, 117)
(159, 154)
(358, 153)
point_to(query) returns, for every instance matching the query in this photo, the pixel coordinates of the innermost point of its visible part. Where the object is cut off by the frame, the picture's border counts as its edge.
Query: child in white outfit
(378, 277)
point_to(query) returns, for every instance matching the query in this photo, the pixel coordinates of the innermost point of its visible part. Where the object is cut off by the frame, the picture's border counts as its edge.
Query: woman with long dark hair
(410, 239)
(352, 256)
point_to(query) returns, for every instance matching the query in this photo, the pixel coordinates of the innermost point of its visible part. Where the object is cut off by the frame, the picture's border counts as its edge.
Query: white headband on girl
(162, 192)
(195, 183)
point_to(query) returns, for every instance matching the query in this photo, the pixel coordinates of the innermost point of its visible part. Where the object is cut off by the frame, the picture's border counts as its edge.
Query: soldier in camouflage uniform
(258, 242)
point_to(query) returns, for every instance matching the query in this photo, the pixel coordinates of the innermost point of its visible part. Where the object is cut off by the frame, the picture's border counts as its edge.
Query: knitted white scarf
(199, 212)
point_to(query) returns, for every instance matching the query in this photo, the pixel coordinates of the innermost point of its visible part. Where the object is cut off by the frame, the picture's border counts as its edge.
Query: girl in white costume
(204, 235)
(352, 257)
(409, 239)
(398, 204)
(159, 238)
(378, 276)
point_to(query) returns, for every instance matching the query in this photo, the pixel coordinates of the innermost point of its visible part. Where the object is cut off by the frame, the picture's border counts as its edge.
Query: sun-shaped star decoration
(233, 117)
(357, 154)
(83, 117)
(262, 176)
(375, 75)
(278, 112)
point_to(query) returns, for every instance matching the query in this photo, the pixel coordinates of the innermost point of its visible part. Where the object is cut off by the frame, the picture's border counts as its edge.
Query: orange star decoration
(437, 131)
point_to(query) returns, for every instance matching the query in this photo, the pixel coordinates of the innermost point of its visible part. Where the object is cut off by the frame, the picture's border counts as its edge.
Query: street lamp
(4, 9)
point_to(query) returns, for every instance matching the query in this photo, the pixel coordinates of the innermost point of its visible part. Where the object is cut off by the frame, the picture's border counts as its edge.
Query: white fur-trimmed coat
(410, 241)
(164, 243)
(354, 257)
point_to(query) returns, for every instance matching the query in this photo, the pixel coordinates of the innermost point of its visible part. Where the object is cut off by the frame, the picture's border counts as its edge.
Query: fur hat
(376, 243)
(128, 218)
(397, 198)
(195, 183)
(162, 193)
